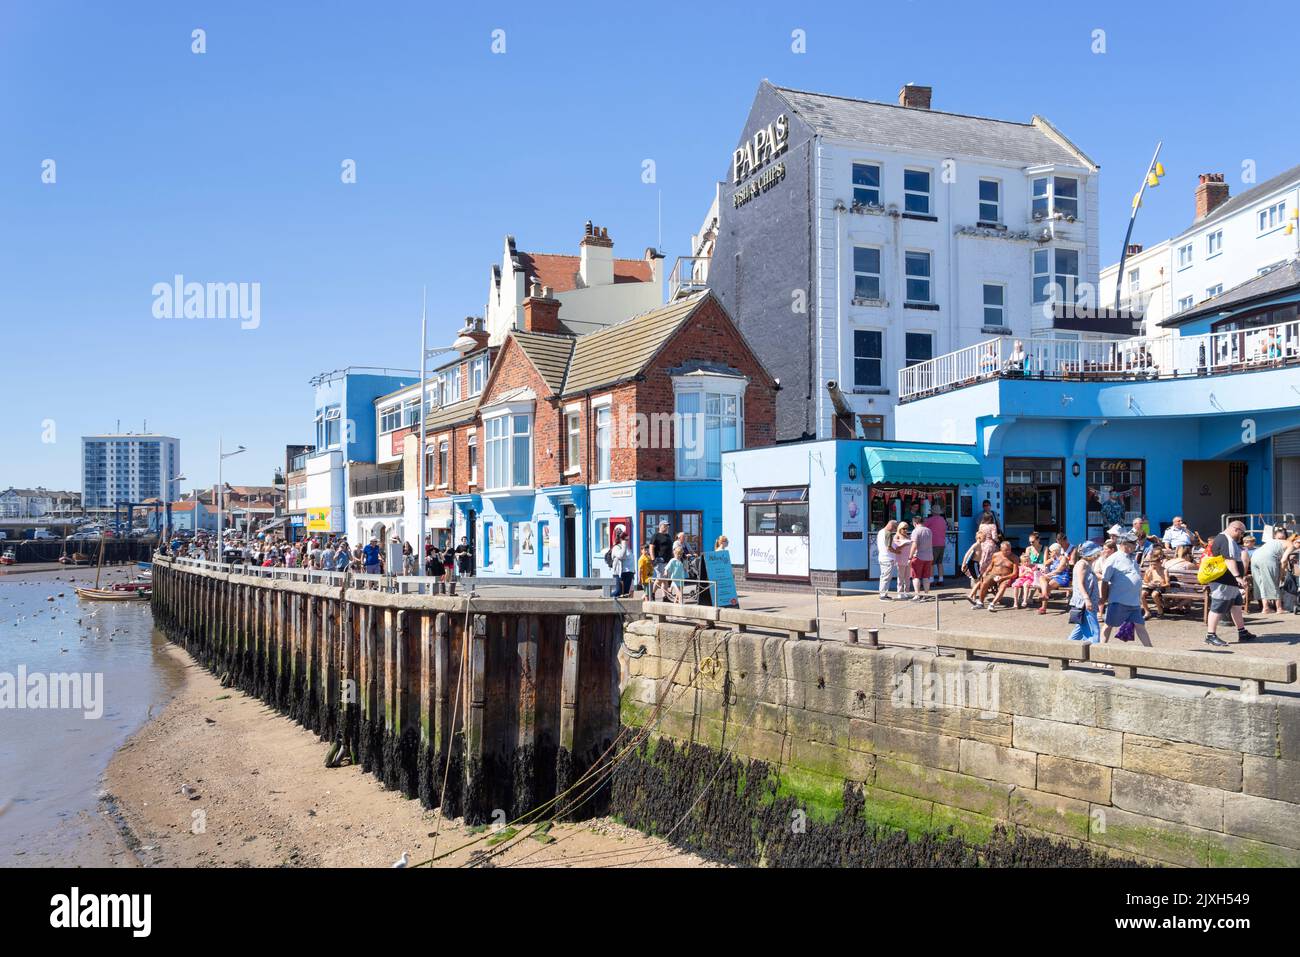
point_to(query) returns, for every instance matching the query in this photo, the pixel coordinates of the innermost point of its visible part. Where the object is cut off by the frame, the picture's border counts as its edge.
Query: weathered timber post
(564, 776)
(524, 769)
(448, 748)
(406, 705)
(349, 685)
(327, 675)
(366, 698)
(426, 695)
(476, 810)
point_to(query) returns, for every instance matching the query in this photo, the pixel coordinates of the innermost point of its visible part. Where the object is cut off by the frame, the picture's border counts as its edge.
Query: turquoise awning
(886, 466)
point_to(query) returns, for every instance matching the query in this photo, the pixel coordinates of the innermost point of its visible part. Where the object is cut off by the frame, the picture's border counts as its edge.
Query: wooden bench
(1253, 672)
(1186, 590)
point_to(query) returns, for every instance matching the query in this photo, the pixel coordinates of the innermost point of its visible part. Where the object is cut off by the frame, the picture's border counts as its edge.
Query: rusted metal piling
(507, 701)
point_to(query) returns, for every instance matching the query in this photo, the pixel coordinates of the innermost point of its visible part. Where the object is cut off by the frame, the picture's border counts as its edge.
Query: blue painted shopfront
(563, 531)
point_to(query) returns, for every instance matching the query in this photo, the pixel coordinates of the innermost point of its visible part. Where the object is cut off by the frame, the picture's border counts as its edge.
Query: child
(675, 573)
(644, 568)
(970, 562)
(1155, 582)
(1024, 582)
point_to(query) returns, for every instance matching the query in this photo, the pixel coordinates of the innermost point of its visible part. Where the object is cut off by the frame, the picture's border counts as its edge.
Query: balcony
(389, 480)
(1134, 359)
(690, 275)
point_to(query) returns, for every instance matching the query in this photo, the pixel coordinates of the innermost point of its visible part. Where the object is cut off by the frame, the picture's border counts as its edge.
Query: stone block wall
(1157, 770)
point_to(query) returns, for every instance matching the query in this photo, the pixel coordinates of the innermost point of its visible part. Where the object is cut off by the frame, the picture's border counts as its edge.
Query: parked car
(40, 534)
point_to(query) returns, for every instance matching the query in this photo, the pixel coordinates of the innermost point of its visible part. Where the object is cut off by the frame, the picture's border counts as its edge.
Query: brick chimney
(1133, 249)
(472, 336)
(1211, 193)
(916, 97)
(597, 264)
(541, 310)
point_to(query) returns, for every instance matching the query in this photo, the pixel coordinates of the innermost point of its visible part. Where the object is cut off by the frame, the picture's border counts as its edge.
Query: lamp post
(1150, 178)
(420, 479)
(222, 455)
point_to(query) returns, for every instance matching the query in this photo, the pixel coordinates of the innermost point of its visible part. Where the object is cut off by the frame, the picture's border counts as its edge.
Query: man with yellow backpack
(1222, 569)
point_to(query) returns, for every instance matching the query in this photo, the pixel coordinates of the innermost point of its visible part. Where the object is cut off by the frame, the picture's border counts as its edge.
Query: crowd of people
(1113, 587)
(330, 553)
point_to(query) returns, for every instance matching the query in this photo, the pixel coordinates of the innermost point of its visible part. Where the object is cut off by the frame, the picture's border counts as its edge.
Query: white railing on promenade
(1155, 357)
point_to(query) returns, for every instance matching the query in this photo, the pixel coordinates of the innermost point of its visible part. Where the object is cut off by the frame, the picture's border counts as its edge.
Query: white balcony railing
(1158, 357)
(690, 275)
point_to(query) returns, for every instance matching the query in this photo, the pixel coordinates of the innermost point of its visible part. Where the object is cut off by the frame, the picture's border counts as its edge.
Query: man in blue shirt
(373, 557)
(1121, 591)
(1177, 534)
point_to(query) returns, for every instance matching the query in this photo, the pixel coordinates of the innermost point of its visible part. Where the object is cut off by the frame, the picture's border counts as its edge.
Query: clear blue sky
(226, 167)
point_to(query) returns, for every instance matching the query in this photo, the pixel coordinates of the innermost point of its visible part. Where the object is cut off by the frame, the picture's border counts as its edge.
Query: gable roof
(549, 353)
(561, 272)
(1284, 278)
(450, 415)
(1251, 196)
(619, 352)
(1034, 143)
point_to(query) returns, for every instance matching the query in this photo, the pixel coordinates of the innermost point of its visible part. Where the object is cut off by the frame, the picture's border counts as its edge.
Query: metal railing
(690, 274)
(1141, 357)
(386, 481)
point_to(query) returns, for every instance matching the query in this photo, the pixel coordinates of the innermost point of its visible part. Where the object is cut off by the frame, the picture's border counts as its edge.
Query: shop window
(690, 522)
(1116, 492)
(776, 533)
(1035, 493)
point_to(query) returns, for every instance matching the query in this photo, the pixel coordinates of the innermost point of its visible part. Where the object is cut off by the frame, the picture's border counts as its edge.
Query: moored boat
(10, 557)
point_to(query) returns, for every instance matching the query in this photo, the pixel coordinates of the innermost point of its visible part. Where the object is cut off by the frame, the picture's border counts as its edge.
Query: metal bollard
(873, 638)
(853, 636)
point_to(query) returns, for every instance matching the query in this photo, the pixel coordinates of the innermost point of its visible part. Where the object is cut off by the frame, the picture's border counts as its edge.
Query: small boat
(112, 594)
(76, 558)
(10, 557)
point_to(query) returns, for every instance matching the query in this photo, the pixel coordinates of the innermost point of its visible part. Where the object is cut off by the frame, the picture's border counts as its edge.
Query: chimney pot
(541, 311)
(1211, 193)
(1134, 248)
(915, 97)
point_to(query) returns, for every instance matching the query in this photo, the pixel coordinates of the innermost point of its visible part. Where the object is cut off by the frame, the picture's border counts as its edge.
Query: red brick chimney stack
(1211, 193)
(541, 310)
(916, 97)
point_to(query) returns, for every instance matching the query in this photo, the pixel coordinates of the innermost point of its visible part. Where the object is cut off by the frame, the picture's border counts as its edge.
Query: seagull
(402, 861)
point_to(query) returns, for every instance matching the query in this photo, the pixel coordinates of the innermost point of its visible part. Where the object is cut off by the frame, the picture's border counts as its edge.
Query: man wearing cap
(1225, 593)
(373, 557)
(1121, 591)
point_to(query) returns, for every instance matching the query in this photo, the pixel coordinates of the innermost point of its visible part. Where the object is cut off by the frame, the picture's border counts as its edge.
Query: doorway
(1210, 491)
(569, 543)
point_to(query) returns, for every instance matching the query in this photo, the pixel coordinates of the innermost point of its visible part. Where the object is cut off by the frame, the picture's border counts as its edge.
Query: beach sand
(266, 799)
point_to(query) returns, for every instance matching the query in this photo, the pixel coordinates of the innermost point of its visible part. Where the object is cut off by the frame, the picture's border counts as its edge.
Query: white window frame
(1073, 199)
(493, 422)
(1186, 303)
(928, 193)
(981, 202)
(455, 385)
(471, 453)
(1271, 217)
(1134, 281)
(603, 432)
(880, 359)
(1001, 307)
(1215, 290)
(877, 275)
(928, 278)
(1045, 196)
(386, 414)
(1186, 256)
(704, 385)
(477, 375)
(878, 189)
(444, 462)
(1213, 244)
(573, 439)
(929, 334)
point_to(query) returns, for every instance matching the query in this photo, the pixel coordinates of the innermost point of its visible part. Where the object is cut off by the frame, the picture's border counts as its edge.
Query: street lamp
(1150, 178)
(221, 489)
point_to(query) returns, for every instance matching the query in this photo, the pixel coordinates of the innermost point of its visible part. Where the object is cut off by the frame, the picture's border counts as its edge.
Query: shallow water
(52, 758)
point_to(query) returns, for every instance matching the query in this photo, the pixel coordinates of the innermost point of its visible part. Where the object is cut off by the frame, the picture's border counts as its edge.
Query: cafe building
(805, 514)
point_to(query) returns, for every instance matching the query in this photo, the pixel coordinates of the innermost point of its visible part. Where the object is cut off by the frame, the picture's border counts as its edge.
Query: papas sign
(765, 145)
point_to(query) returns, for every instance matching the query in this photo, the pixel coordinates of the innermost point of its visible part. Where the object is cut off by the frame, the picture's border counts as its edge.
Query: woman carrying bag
(1085, 596)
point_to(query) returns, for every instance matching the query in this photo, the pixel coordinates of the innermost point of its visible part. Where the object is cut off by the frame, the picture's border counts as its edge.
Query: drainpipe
(952, 266)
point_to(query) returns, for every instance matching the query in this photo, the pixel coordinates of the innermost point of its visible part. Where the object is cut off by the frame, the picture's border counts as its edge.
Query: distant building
(37, 503)
(295, 487)
(593, 287)
(190, 515)
(128, 467)
(1231, 240)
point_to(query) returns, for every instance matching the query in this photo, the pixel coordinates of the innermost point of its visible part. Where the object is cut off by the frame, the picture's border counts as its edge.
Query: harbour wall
(508, 701)
(1071, 767)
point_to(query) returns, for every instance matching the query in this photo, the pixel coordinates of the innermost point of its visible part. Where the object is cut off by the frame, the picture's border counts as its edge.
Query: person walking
(885, 556)
(1266, 566)
(1085, 596)
(661, 549)
(938, 526)
(372, 557)
(903, 558)
(620, 564)
(1121, 591)
(464, 558)
(922, 561)
(1225, 592)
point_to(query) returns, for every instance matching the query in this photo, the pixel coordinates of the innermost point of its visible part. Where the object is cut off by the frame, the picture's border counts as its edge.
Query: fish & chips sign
(754, 154)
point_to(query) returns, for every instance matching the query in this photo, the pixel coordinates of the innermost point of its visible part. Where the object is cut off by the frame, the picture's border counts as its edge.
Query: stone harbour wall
(1159, 771)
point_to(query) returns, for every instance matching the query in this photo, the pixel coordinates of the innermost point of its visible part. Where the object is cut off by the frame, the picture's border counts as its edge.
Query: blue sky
(225, 167)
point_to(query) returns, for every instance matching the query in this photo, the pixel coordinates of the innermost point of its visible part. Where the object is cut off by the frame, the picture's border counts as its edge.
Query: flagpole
(422, 480)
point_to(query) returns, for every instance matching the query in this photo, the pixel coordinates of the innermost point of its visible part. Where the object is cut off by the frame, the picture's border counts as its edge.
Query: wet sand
(258, 794)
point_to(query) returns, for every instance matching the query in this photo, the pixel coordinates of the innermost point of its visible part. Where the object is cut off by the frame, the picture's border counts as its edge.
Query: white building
(856, 238)
(129, 467)
(1232, 239)
(1148, 285)
(594, 289)
(37, 502)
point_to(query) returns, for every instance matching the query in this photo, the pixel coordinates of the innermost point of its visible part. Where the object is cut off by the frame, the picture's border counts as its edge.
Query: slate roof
(619, 352)
(549, 353)
(1255, 194)
(1282, 279)
(909, 128)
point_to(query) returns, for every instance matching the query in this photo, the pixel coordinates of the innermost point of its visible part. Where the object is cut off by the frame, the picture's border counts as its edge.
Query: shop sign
(760, 149)
(318, 520)
(852, 508)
